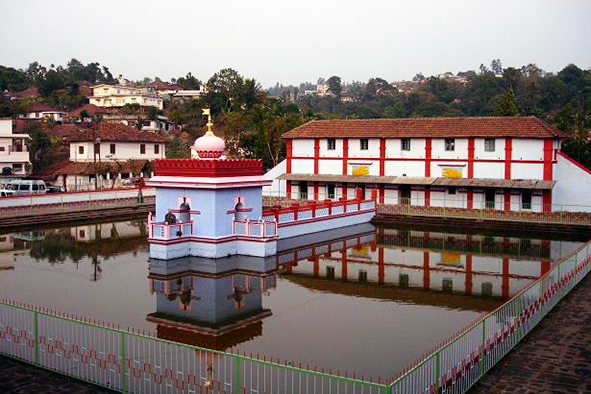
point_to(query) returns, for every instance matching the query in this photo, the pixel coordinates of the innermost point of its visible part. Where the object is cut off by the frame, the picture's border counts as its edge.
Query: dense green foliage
(252, 120)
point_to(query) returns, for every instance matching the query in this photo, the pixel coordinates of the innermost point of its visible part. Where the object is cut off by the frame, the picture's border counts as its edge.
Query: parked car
(135, 182)
(6, 193)
(22, 187)
(55, 189)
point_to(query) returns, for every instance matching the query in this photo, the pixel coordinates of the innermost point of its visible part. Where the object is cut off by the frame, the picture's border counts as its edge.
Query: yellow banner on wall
(360, 170)
(449, 172)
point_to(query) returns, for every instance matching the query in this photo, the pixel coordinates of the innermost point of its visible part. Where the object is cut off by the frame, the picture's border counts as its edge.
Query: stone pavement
(21, 378)
(554, 358)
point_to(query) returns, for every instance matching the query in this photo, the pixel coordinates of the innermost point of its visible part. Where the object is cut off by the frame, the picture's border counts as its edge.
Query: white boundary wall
(573, 186)
(65, 198)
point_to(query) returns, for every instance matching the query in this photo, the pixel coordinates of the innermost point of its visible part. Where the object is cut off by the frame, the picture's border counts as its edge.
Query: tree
(418, 77)
(496, 66)
(507, 106)
(334, 85)
(178, 148)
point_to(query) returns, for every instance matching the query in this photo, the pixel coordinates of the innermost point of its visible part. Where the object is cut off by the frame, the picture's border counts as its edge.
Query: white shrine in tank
(213, 207)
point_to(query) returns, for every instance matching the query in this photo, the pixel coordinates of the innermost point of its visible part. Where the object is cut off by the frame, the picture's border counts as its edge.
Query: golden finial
(207, 111)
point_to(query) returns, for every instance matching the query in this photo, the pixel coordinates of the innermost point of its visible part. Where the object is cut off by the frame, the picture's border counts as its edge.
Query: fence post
(36, 335)
(237, 376)
(483, 352)
(122, 339)
(437, 369)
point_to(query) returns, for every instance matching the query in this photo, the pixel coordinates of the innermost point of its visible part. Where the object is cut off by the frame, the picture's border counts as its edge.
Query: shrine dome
(209, 146)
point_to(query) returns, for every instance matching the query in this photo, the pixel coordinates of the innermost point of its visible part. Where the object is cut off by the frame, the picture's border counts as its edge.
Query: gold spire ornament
(207, 111)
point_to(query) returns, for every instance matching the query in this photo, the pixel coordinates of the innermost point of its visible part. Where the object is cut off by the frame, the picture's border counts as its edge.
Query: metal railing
(455, 365)
(131, 362)
(459, 208)
(311, 209)
(255, 228)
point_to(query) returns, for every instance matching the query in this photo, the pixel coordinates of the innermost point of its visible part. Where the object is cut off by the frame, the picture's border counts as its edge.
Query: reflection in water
(357, 299)
(201, 304)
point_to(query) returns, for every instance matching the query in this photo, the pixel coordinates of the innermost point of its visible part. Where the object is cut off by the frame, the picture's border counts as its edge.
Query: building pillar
(344, 190)
(427, 196)
(288, 155)
(471, 157)
(345, 155)
(316, 154)
(382, 156)
(316, 261)
(315, 191)
(507, 200)
(547, 201)
(470, 198)
(508, 156)
(344, 268)
(545, 267)
(548, 159)
(427, 157)
(382, 194)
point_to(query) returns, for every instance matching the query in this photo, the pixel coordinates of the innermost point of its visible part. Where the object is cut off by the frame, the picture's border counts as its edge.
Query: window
(362, 276)
(142, 149)
(526, 199)
(2, 149)
(450, 144)
(405, 144)
(330, 191)
(489, 144)
(364, 144)
(80, 150)
(156, 149)
(303, 185)
(17, 167)
(330, 272)
(452, 190)
(112, 149)
(35, 187)
(332, 144)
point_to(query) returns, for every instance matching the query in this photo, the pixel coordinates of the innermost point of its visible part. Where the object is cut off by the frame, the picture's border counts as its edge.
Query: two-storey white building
(503, 163)
(118, 95)
(13, 150)
(43, 112)
(111, 152)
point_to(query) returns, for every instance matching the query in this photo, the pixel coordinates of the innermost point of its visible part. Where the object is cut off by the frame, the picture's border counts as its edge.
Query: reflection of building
(200, 304)
(448, 263)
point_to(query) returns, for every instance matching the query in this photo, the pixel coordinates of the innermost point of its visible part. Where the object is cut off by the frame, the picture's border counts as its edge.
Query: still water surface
(360, 299)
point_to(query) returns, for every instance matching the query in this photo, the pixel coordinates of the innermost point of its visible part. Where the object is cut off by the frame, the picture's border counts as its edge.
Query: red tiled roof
(82, 168)
(161, 85)
(29, 92)
(117, 132)
(517, 126)
(64, 130)
(91, 109)
(41, 108)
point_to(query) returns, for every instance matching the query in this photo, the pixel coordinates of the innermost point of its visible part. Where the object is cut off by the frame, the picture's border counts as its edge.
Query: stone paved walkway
(554, 358)
(21, 378)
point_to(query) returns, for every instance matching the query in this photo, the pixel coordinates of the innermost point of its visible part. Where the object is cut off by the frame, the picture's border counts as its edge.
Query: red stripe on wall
(471, 157)
(547, 200)
(508, 154)
(382, 156)
(345, 155)
(548, 159)
(288, 155)
(427, 196)
(470, 199)
(316, 154)
(427, 157)
(507, 203)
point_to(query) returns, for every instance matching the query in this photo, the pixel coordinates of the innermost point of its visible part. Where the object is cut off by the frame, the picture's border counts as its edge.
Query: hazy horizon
(291, 43)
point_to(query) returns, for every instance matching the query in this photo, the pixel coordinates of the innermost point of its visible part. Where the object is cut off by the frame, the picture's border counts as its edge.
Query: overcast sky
(298, 40)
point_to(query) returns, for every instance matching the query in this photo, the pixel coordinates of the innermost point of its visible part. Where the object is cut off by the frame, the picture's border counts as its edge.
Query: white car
(6, 193)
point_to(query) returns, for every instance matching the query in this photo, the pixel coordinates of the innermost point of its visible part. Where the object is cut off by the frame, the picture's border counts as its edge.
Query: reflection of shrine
(211, 303)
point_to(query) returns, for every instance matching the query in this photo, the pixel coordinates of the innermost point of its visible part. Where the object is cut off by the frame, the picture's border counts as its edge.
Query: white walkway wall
(573, 185)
